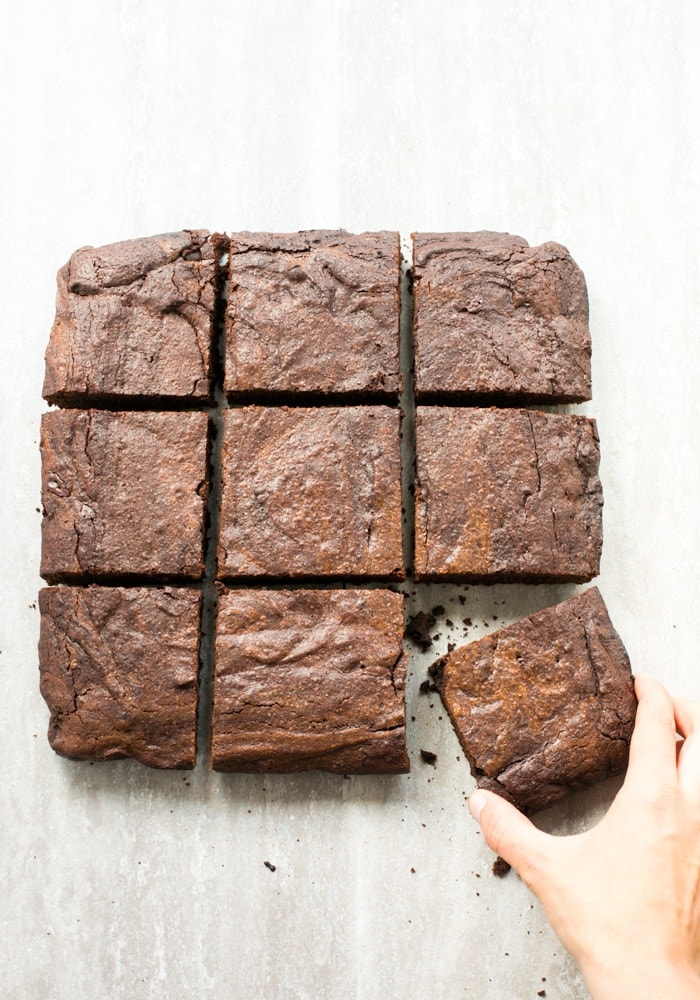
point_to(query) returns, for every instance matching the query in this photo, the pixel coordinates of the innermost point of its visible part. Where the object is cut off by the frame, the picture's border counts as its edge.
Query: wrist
(640, 978)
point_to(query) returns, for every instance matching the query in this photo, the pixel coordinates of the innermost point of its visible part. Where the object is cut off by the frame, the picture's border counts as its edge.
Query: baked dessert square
(311, 492)
(310, 680)
(313, 312)
(124, 494)
(119, 672)
(496, 317)
(134, 322)
(506, 495)
(543, 707)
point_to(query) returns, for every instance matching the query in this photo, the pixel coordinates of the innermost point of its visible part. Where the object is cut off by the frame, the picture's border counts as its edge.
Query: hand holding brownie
(624, 897)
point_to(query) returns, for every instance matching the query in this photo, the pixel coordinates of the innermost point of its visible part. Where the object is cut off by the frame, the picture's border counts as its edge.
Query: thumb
(510, 834)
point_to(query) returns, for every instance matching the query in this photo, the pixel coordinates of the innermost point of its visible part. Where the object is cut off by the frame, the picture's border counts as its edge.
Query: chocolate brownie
(134, 322)
(311, 493)
(506, 495)
(119, 672)
(310, 680)
(543, 707)
(313, 312)
(494, 316)
(124, 493)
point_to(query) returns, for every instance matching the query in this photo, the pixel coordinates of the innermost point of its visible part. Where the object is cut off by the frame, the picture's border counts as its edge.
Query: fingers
(510, 834)
(652, 760)
(687, 716)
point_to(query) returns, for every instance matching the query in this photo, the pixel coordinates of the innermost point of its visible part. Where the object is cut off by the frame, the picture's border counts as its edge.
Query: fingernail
(477, 801)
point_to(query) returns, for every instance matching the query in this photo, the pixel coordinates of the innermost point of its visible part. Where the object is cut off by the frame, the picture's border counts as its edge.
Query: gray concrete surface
(573, 121)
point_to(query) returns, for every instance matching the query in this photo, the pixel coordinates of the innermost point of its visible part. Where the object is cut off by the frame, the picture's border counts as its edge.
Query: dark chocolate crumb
(449, 623)
(418, 629)
(413, 871)
(268, 864)
(500, 867)
(462, 599)
(541, 993)
(424, 688)
(438, 611)
(428, 757)
(450, 647)
(468, 622)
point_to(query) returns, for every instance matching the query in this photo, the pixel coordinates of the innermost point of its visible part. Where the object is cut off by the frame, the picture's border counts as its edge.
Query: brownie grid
(325, 270)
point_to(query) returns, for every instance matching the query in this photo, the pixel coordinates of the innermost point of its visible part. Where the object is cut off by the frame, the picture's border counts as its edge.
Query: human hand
(624, 897)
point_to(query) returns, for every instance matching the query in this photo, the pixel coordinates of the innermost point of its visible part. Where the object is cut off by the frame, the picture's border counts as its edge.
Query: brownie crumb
(270, 866)
(438, 611)
(500, 867)
(450, 647)
(424, 688)
(418, 629)
(541, 993)
(468, 622)
(428, 757)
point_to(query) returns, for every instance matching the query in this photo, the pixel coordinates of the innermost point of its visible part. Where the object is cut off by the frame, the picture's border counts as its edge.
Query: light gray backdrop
(572, 121)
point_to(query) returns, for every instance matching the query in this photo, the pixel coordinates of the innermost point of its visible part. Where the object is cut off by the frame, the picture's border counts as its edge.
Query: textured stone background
(570, 121)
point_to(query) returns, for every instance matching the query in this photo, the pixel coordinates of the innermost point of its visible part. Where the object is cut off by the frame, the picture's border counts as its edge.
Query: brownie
(313, 312)
(119, 673)
(543, 707)
(124, 493)
(506, 495)
(310, 680)
(311, 493)
(496, 317)
(134, 322)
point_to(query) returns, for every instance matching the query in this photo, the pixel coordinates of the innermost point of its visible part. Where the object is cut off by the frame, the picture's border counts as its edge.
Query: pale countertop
(575, 122)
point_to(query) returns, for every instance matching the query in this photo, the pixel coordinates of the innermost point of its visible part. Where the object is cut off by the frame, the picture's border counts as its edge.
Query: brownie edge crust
(118, 670)
(310, 680)
(544, 707)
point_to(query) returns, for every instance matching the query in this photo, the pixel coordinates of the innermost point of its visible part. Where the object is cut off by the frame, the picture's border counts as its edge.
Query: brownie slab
(123, 493)
(310, 680)
(134, 321)
(543, 707)
(313, 312)
(119, 673)
(496, 317)
(311, 493)
(506, 495)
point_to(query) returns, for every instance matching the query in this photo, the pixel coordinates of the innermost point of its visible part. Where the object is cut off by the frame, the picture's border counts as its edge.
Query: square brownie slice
(124, 494)
(543, 707)
(506, 495)
(313, 312)
(311, 493)
(119, 673)
(134, 322)
(496, 317)
(310, 680)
